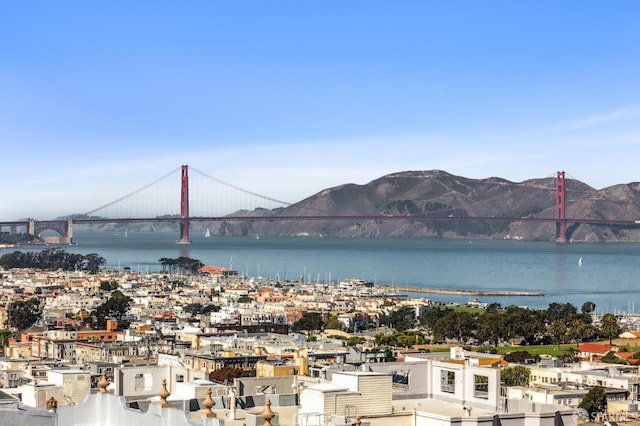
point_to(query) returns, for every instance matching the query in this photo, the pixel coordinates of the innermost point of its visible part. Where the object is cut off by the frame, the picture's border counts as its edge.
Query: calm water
(609, 276)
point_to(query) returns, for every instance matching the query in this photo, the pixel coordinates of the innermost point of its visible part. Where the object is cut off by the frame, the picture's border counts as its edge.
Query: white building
(350, 394)
(68, 387)
(453, 392)
(144, 380)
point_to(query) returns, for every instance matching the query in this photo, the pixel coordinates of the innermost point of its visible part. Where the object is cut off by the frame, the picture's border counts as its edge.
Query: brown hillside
(438, 193)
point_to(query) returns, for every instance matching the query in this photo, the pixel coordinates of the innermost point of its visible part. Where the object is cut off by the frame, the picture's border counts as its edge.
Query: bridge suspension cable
(237, 188)
(137, 191)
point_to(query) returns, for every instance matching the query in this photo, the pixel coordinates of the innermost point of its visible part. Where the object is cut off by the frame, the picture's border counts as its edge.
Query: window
(448, 381)
(400, 379)
(480, 386)
(143, 382)
(138, 382)
(179, 378)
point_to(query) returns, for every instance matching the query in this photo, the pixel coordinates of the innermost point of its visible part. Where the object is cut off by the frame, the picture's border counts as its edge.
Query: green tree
(116, 307)
(404, 338)
(609, 326)
(588, 307)
(199, 309)
(569, 355)
(5, 335)
(520, 356)
(493, 307)
(430, 318)
(355, 340)
(24, 313)
(611, 358)
(51, 260)
(183, 265)
(311, 321)
(515, 376)
(334, 324)
(490, 327)
(108, 285)
(388, 355)
(575, 329)
(93, 262)
(560, 312)
(558, 331)
(594, 401)
(522, 322)
(402, 319)
(192, 309)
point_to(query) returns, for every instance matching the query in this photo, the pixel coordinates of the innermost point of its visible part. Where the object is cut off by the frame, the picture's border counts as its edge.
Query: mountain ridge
(439, 193)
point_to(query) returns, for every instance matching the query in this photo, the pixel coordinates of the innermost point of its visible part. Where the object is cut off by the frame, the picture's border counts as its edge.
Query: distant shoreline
(461, 292)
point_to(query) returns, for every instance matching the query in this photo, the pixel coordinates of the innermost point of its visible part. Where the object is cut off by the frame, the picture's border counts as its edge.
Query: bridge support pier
(561, 226)
(69, 233)
(184, 207)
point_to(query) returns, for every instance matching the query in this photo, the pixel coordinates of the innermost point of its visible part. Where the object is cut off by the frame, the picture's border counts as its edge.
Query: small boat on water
(580, 261)
(126, 234)
(207, 234)
(257, 237)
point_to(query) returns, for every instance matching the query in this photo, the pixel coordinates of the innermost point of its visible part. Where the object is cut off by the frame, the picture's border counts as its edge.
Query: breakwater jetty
(391, 289)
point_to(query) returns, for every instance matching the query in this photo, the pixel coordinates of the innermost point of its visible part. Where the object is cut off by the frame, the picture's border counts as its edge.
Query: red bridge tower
(561, 231)
(184, 207)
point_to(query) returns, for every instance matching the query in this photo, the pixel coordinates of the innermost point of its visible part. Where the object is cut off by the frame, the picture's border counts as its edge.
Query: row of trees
(7, 238)
(560, 323)
(52, 260)
(182, 265)
(56, 259)
(199, 309)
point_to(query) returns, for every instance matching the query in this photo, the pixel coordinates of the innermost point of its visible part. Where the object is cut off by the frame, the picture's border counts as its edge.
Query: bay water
(609, 274)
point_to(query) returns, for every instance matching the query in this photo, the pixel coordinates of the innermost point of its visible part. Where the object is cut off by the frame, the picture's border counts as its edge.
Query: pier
(461, 292)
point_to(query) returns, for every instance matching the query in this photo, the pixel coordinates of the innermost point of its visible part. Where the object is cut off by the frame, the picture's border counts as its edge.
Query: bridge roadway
(359, 217)
(64, 227)
(168, 219)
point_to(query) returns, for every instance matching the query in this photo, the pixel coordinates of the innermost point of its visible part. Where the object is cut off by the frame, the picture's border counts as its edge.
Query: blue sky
(286, 98)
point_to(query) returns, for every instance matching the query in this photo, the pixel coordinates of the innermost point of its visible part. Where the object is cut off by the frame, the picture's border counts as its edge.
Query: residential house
(594, 351)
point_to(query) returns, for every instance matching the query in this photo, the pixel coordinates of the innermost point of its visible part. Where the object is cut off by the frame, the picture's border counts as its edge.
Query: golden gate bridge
(156, 199)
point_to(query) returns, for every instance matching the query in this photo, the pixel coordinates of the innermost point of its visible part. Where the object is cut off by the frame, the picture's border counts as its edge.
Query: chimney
(112, 325)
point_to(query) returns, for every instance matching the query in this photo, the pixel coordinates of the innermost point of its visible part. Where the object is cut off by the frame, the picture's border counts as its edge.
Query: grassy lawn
(469, 309)
(538, 349)
(552, 350)
(503, 350)
(535, 350)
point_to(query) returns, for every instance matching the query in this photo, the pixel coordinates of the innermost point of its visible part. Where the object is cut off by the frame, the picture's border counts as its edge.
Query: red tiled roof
(628, 356)
(595, 348)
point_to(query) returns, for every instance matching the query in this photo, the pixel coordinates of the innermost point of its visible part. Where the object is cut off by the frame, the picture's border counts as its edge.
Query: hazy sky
(285, 98)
